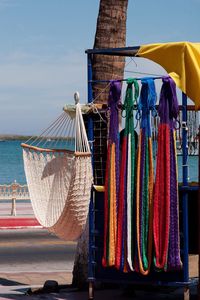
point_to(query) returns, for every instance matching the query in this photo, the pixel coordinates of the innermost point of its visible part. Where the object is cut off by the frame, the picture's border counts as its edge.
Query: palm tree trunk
(80, 270)
(110, 33)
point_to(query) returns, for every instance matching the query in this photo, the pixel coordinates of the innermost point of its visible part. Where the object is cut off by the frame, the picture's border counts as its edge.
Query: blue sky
(42, 59)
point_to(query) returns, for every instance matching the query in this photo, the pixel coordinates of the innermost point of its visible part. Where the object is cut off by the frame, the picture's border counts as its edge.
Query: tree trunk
(110, 33)
(80, 270)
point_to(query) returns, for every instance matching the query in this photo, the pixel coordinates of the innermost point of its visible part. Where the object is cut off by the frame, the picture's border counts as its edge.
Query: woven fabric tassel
(112, 178)
(126, 212)
(166, 209)
(144, 187)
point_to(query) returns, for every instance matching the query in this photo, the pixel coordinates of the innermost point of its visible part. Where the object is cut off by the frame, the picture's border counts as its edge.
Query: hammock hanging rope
(126, 217)
(59, 175)
(112, 177)
(166, 206)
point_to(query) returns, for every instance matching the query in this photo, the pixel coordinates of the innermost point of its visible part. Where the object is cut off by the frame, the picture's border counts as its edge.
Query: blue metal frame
(184, 279)
(185, 186)
(89, 66)
(126, 51)
(91, 207)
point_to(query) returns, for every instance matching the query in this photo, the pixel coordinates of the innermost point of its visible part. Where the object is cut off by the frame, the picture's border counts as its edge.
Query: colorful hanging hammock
(145, 178)
(126, 210)
(112, 177)
(166, 206)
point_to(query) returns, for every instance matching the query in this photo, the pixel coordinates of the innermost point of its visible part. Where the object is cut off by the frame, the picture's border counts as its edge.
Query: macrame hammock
(145, 178)
(59, 175)
(126, 207)
(166, 205)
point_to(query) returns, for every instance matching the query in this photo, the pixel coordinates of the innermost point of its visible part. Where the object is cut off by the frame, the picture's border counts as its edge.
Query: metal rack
(96, 271)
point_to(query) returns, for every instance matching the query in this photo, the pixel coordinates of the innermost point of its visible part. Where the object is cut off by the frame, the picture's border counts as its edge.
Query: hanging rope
(165, 221)
(112, 177)
(144, 213)
(126, 209)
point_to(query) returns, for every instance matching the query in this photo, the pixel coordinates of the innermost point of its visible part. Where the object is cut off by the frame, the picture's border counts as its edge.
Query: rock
(50, 286)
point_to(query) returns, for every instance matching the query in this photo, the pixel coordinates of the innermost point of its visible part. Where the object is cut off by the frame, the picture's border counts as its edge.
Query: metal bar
(125, 79)
(90, 99)
(189, 188)
(184, 136)
(125, 51)
(89, 70)
(91, 239)
(185, 193)
(91, 207)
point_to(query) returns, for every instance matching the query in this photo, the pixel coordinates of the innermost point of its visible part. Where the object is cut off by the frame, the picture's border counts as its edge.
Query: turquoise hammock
(145, 176)
(125, 246)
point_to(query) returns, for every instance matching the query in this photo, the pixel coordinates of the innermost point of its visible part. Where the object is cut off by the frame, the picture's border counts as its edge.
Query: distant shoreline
(10, 137)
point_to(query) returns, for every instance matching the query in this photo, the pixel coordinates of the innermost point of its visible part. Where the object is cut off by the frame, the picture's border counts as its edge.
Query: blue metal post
(185, 185)
(90, 99)
(89, 69)
(91, 207)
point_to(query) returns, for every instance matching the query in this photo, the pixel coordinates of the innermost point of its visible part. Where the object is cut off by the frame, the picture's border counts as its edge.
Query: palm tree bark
(110, 33)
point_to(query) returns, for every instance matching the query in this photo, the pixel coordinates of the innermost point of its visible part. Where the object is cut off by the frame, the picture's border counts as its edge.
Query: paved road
(30, 257)
(35, 249)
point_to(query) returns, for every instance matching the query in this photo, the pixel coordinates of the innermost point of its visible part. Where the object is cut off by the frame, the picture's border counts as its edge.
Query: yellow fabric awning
(181, 60)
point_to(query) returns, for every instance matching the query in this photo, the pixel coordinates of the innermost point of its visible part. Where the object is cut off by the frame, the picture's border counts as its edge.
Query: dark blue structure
(96, 213)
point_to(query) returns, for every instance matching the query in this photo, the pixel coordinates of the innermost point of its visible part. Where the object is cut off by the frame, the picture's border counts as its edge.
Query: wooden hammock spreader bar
(55, 150)
(82, 153)
(85, 108)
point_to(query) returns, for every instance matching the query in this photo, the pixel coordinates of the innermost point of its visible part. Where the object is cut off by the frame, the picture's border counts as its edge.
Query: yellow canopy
(182, 62)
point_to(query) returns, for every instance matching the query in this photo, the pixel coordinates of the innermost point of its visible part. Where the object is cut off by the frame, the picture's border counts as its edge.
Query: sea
(12, 167)
(11, 162)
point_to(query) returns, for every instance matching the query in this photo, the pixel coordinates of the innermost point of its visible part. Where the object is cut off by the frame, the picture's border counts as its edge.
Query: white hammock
(59, 175)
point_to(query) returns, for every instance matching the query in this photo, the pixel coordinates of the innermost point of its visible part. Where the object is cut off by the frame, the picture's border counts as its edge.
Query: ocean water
(12, 168)
(11, 162)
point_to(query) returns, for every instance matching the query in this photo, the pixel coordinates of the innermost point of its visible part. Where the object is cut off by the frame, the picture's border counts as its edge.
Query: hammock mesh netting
(59, 175)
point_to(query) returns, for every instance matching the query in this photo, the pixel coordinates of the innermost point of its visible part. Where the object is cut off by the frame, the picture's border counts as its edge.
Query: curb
(19, 223)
